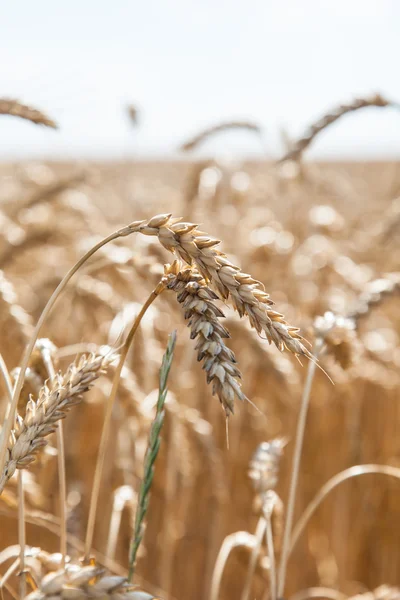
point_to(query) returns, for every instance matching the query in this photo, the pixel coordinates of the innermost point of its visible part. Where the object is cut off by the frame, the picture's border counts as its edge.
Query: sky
(187, 65)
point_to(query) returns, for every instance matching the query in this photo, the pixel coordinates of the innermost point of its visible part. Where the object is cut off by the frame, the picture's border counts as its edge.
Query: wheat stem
(151, 455)
(8, 425)
(21, 497)
(301, 424)
(331, 484)
(62, 478)
(107, 421)
(255, 553)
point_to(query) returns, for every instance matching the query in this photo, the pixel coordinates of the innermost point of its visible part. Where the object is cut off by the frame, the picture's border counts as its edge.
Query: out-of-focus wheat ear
(196, 140)
(151, 454)
(17, 109)
(374, 294)
(298, 147)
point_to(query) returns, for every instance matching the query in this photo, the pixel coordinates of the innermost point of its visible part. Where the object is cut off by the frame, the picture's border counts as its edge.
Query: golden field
(317, 236)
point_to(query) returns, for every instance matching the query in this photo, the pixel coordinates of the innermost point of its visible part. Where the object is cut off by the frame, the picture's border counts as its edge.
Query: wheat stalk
(303, 143)
(247, 295)
(41, 417)
(206, 133)
(151, 454)
(202, 314)
(16, 109)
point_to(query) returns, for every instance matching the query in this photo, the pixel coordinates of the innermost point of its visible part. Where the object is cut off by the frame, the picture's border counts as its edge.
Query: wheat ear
(303, 143)
(202, 314)
(15, 108)
(42, 416)
(247, 295)
(151, 454)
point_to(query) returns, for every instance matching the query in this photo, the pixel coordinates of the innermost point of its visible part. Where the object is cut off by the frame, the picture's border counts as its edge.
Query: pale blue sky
(190, 64)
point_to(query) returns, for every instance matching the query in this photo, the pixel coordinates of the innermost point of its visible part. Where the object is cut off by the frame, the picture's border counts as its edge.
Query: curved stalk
(107, 421)
(235, 540)
(370, 469)
(255, 553)
(6, 430)
(271, 554)
(301, 425)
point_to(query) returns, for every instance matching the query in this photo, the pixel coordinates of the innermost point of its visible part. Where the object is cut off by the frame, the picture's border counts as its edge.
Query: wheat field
(204, 472)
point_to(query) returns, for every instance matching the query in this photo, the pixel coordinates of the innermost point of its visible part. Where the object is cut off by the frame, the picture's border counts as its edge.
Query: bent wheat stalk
(331, 484)
(6, 429)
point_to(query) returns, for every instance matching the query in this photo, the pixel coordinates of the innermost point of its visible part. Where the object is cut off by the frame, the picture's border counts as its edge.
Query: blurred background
(276, 125)
(189, 65)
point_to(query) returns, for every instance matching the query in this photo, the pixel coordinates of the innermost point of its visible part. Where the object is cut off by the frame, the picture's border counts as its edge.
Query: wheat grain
(247, 294)
(15, 108)
(41, 416)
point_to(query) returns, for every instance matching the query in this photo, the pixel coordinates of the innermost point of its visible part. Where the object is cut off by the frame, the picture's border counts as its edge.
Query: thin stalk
(107, 420)
(21, 533)
(21, 497)
(151, 455)
(268, 508)
(301, 425)
(255, 553)
(8, 425)
(331, 484)
(271, 554)
(240, 539)
(62, 478)
(122, 496)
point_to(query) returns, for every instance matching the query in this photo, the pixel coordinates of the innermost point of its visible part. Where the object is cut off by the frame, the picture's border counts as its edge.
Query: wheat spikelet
(247, 295)
(203, 316)
(41, 416)
(15, 108)
(206, 133)
(303, 143)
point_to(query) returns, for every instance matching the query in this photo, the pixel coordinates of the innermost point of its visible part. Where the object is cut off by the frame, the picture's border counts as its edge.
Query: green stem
(151, 455)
